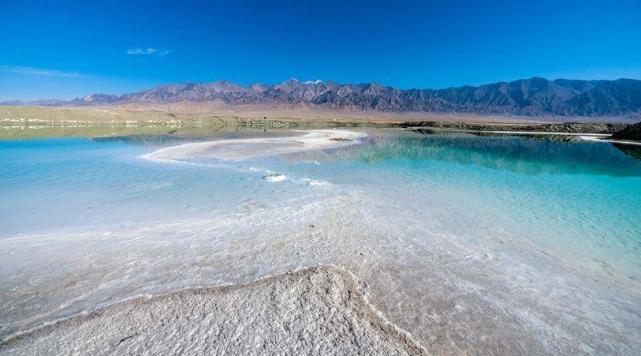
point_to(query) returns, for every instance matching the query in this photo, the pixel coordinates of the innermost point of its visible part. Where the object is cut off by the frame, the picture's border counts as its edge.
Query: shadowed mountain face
(533, 97)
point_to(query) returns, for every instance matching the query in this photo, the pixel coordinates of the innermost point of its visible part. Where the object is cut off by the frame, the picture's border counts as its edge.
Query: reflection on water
(129, 133)
(520, 154)
(632, 150)
(177, 138)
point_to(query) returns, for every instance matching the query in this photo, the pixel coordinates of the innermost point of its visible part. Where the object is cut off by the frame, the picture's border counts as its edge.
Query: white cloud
(148, 52)
(37, 71)
(141, 51)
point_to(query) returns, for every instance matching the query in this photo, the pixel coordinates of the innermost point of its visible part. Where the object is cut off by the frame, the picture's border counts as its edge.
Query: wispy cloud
(37, 71)
(148, 52)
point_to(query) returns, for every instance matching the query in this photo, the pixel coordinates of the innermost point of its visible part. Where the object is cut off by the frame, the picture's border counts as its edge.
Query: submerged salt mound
(275, 177)
(319, 310)
(249, 148)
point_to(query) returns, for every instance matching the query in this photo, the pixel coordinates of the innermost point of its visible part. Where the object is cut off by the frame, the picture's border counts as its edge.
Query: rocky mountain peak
(534, 96)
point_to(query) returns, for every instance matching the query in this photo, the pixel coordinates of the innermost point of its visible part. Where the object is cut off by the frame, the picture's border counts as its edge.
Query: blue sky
(64, 49)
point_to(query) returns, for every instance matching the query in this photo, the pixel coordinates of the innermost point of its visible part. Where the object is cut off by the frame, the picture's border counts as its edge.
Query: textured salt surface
(453, 295)
(317, 310)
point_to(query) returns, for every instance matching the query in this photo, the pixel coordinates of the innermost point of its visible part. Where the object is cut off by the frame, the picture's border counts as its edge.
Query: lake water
(510, 243)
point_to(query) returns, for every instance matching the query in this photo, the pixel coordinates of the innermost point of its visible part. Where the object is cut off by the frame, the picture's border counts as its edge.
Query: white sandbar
(606, 140)
(242, 149)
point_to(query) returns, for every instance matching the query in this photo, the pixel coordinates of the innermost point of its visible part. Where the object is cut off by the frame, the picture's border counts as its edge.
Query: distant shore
(182, 115)
(204, 114)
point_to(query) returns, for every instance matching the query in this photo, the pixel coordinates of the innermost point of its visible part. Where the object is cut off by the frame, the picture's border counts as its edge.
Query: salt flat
(318, 310)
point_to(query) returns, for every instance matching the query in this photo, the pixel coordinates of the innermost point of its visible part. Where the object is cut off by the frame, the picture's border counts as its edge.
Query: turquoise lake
(561, 211)
(584, 194)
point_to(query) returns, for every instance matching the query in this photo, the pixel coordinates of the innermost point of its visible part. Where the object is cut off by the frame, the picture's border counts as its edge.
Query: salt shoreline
(318, 309)
(606, 140)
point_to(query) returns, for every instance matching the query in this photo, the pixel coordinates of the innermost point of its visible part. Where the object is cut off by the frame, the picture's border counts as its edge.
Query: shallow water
(496, 243)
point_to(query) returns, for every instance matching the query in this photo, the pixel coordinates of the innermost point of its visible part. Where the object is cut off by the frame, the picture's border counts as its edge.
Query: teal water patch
(580, 199)
(528, 155)
(79, 183)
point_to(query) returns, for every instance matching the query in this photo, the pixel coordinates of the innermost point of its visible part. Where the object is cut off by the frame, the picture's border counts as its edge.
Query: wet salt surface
(244, 149)
(467, 246)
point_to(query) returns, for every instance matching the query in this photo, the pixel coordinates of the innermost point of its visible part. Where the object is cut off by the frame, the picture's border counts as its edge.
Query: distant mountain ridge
(531, 97)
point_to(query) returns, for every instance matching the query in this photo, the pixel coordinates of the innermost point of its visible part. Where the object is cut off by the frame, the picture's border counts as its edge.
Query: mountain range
(531, 97)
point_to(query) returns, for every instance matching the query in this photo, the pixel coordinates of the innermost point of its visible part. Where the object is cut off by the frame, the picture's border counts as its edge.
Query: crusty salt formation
(319, 310)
